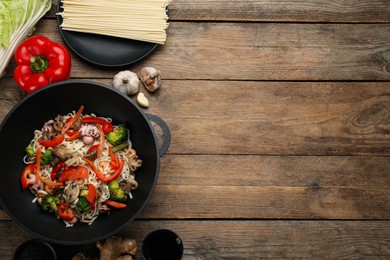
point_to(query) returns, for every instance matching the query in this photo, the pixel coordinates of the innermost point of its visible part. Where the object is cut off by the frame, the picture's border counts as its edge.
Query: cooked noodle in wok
(79, 166)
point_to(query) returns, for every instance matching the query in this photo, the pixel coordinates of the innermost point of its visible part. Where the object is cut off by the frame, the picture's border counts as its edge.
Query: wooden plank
(271, 187)
(289, 118)
(275, 117)
(257, 239)
(346, 11)
(255, 51)
(264, 187)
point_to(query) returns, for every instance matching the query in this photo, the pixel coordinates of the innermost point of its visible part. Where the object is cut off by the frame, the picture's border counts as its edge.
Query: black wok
(17, 129)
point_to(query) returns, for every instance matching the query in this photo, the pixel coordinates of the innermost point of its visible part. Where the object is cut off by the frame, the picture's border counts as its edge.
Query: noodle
(76, 150)
(144, 20)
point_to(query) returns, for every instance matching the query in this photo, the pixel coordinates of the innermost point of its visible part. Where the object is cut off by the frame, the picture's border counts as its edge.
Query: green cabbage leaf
(17, 21)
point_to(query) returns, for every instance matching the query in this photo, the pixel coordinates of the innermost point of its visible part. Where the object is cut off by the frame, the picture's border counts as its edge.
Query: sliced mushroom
(71, 191)
(73, 161)
(61, 153)
(134, 163)
(128, 185)
(59, 123)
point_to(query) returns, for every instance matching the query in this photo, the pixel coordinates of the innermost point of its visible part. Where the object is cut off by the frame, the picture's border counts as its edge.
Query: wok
(17, 129)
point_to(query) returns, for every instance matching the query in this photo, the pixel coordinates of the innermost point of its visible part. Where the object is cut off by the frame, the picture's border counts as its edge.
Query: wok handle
(166, 132)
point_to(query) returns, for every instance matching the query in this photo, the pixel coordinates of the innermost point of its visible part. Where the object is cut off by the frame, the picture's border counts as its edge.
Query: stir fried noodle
(79, 166)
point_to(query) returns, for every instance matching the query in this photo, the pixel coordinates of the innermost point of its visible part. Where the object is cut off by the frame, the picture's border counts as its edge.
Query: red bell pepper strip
(114, 163)
(30, 168)
(93, 148)
(74, 173)
(115, 204)
(52, 142)
(91, 195)
(68, 124)
(101, 141)
(107, 126)
(73, 136)
(56, 169)
(40, 62)
(92, 119)
(65, 212)
(38, 168)
(101, 175)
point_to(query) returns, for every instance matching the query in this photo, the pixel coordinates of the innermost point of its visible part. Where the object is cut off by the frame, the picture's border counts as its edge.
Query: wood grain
(289, 118)
(270, 187)
(248, 51)
(346, 11)
(257, 239)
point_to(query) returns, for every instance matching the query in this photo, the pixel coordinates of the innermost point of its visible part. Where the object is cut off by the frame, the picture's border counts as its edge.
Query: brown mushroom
(117, 248)
(59, 123)
(129, 185)
(72, 161)
(61, 153)
(71, 191)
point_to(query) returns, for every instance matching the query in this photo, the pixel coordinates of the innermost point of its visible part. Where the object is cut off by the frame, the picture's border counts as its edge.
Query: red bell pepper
(52, 142)
(30, 168)
(74, 173)
(65, 212)
(69, 122)
(56, 169)
(93, 148)
(115, 204)
(38, 169)
(101, 175)
(100, 148)
(107, 126)
(40, 62)
(114, 163)
(73, 135)
(91, 195)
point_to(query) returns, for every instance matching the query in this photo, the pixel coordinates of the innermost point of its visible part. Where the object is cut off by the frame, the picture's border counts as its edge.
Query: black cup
(162, 244)
(35, 249)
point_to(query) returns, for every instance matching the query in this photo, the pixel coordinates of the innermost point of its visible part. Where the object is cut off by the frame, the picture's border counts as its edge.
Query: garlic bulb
(151, 78)
(126, 82)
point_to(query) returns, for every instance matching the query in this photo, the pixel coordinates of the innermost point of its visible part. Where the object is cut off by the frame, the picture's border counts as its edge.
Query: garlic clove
(126, 82)
(142, 100)
(151, 78)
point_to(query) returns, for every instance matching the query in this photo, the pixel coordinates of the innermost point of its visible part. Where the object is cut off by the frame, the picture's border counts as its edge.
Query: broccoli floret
(118, 136)
(83, 204)
(50, 203)
(30, 151)
(116, 192)
(47, 157)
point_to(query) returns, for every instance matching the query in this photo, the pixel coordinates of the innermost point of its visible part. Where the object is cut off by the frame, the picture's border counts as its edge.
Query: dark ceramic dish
(17, 129)
(104, 50)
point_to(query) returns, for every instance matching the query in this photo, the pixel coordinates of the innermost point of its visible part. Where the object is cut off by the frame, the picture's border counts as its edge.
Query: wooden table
(280, 120)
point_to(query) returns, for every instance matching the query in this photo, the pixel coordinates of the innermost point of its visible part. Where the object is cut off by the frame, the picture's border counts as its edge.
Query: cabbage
(17, 21)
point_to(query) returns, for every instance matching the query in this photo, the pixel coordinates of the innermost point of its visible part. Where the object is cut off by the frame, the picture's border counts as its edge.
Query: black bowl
(17, 129)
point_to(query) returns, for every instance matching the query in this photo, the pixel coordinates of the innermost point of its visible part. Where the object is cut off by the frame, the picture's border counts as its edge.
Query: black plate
(103, 50)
